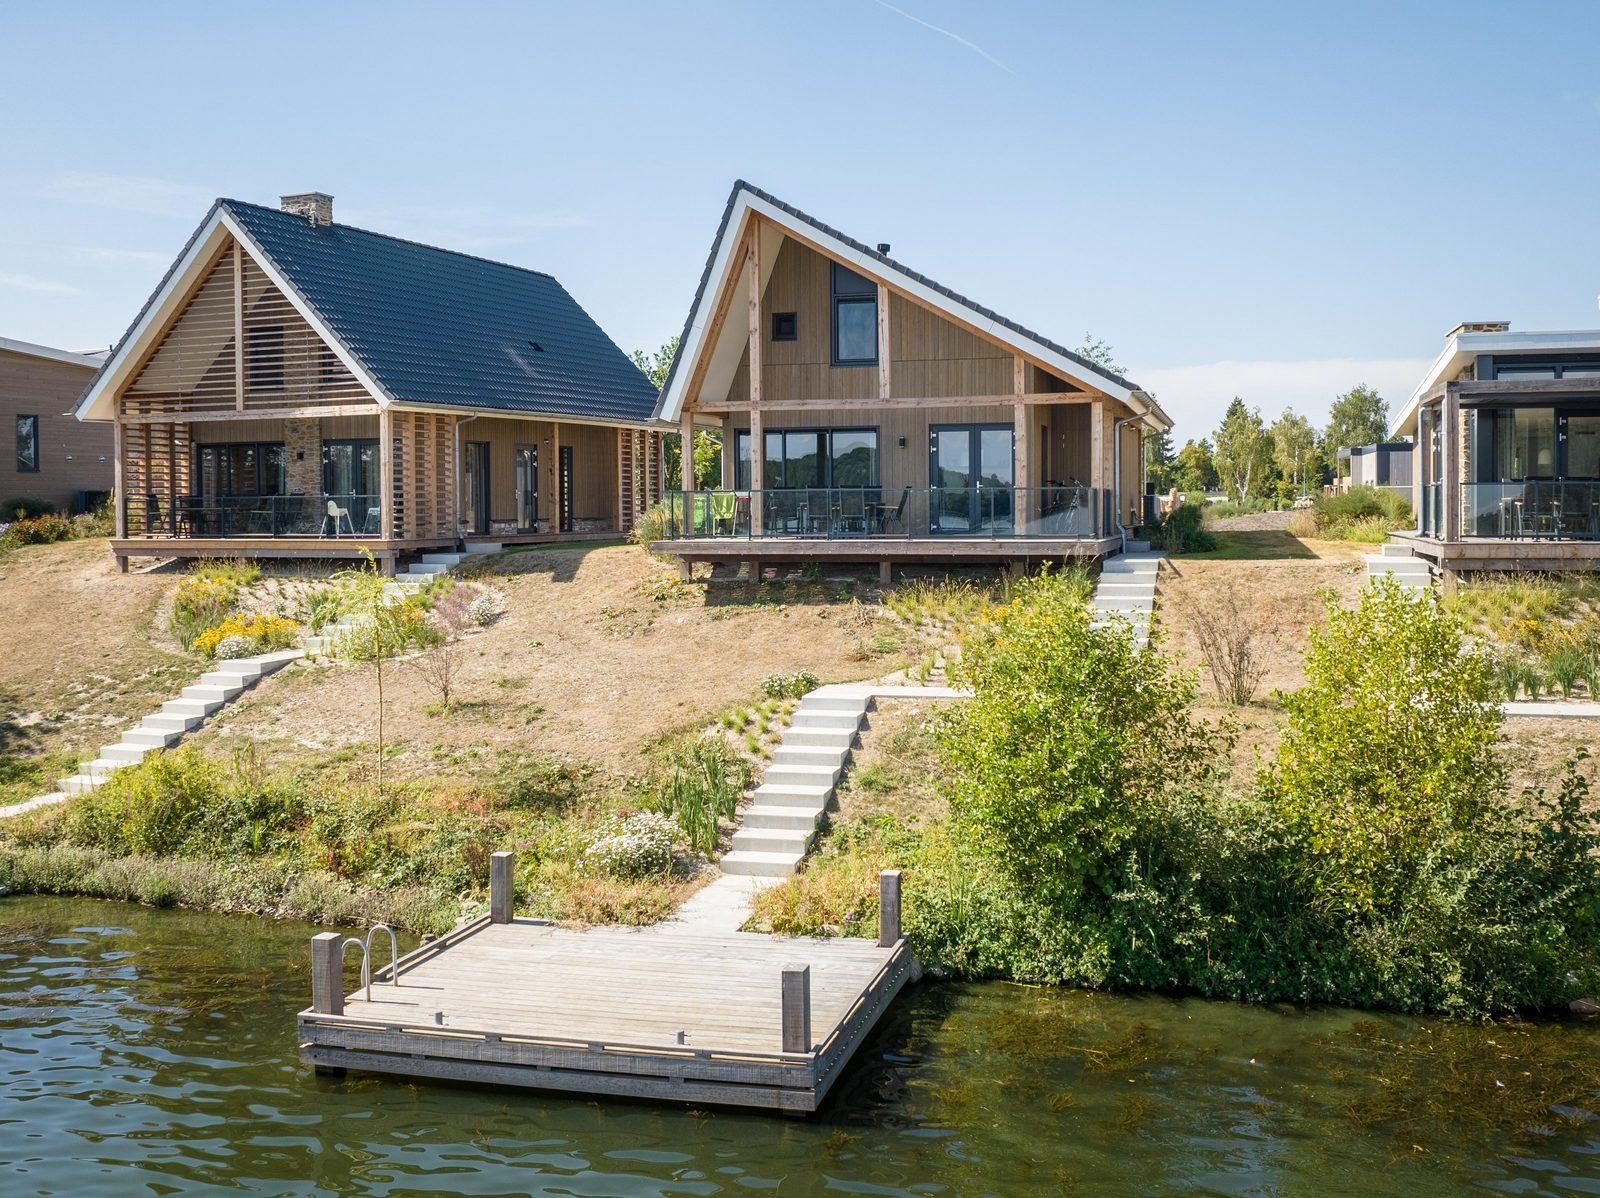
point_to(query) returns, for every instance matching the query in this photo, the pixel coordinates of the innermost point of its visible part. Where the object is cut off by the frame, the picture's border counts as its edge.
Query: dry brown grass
(598, 654)
(85, 649)
(895, 772)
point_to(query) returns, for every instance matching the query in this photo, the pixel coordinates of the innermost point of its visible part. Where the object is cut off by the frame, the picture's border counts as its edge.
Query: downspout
(461, 537)
(1116, 473)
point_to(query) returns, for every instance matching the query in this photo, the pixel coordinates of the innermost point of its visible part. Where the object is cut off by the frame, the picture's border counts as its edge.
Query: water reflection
(153, 1051)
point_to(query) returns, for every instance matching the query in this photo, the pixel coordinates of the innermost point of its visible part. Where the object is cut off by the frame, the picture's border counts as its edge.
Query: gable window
(800, 458)
(27, 444)
(264, 358)
(784, 326)
(855, 318)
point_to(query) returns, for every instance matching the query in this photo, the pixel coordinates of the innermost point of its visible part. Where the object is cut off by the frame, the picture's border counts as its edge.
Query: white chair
(335, 514)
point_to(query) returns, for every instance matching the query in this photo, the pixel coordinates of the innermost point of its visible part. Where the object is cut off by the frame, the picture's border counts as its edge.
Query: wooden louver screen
(638, 474)
(196, 366)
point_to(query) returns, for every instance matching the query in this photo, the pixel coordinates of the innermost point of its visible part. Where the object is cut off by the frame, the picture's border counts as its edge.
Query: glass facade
(800, 458)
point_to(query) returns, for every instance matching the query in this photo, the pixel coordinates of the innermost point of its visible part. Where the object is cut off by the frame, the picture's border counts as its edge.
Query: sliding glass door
(970, 472)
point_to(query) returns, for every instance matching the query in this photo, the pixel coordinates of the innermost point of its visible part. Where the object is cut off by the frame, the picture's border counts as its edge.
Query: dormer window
(855, 318)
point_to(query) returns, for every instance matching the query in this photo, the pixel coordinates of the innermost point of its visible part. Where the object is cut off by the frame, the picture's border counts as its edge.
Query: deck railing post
(888, 908)
(327, 974)
(797, 1008)
(502, 873)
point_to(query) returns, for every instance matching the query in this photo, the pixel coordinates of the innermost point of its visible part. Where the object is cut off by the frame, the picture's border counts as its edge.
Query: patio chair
(334, 515)
(884, 515)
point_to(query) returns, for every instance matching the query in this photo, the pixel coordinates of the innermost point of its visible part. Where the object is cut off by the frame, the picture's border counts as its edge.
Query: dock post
(888, 908)
(502, 882)
(327, 974)
(797, 1008)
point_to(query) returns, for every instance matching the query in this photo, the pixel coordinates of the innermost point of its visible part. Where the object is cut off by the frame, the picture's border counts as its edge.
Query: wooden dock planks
(660, 1013)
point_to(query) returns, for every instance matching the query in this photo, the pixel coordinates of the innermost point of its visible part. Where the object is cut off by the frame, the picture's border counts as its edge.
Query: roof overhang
(91, 361)
(185, 274)
(1461, 349)
(697, 335)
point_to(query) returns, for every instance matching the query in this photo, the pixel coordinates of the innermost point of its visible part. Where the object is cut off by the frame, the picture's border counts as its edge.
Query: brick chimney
(1480, 326)
(315, 206)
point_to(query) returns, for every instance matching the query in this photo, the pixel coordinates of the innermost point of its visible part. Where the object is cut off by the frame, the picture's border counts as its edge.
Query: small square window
(783, 326)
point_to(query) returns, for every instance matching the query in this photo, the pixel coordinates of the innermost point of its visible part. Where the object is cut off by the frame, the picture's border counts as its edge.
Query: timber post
(888, 908)
(327, 974)
(797, 1008)
(502, 876)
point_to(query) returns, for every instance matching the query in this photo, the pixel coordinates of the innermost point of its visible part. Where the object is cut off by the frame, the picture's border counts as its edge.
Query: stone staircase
(218, 687)
(781, 821)
(1126, 591)
(1396, 561)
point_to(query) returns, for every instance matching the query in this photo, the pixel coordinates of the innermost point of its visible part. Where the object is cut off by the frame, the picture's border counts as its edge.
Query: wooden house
(57, 459)
(301, 388)
(1505, 431)
(870, 414)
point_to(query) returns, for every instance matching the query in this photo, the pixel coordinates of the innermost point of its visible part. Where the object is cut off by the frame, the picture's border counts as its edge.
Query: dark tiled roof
(434, 326)
(727, 213)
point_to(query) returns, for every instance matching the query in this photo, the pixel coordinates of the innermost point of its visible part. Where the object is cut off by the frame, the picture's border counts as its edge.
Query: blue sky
(1274, 200)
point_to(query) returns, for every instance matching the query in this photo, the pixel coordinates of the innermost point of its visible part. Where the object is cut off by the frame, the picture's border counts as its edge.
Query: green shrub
(702, 787)
(790, 686)
(38, 530)
(25, 508)
(651, 526)
(636, 846)
(1182, 531)
(200, 604)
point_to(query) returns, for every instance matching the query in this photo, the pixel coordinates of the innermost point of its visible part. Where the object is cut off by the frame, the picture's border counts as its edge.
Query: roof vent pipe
(883, 248)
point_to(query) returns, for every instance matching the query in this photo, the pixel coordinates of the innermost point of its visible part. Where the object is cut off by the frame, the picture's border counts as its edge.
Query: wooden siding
(594, 468)
(196, 367)
(74, 455)
(423, 495)
(329, 428)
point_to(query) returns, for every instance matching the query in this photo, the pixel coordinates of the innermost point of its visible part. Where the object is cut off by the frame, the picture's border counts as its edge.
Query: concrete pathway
(1555, 709)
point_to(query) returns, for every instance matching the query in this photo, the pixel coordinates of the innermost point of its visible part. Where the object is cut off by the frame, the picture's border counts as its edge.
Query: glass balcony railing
(904, 513)
(255, 516)
(1557, 511)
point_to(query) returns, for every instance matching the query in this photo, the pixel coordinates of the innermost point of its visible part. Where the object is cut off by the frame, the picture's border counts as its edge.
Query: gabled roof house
(869, 413)
(301, 388)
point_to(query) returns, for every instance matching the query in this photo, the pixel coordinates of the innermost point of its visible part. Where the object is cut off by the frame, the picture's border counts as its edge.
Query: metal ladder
(365, 945)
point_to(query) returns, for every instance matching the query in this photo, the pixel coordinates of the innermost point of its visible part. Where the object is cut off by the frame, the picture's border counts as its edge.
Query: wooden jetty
(661, 1013)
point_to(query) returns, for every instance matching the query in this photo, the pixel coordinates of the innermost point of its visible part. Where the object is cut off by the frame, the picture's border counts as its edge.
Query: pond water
(153, 1052)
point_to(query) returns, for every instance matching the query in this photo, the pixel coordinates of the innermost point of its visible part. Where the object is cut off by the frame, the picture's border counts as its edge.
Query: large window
(811, 457)
(350, 467)
(246, 468)
(1583, 446)
(27, 444)
(855, 318)
(1522, 444)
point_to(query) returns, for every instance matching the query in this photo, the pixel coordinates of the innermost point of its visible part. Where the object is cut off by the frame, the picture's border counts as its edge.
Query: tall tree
(707, 445)
(1294, 448)
(1101, 354)
(1244, 451)
(1194, 469)
(656, 366)
(1358, 417)
(1159, 459)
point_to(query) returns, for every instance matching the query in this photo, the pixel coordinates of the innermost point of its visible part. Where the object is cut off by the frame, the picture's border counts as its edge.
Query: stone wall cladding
(302, 452)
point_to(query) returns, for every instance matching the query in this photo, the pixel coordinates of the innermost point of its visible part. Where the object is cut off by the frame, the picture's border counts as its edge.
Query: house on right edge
(1506, 432)
(869, 414)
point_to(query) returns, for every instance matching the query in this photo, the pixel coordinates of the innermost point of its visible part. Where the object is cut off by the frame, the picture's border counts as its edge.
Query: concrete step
(1124, 602)
(760, 865)
(199, 707)
(153, 738)
(246, 669)
(771, 840)
(166, 721)
(788, 794)
(816, 702)
(226, 679)
(78, 784)
(792, 754)
(822, 738)
(207, 693)
(802, 775)
(788, 819)
(481, 547)
(443, 559)
(1133, 546)
(822, 721)
(1134, 587)
(128, 754)
(103, 767)
(422, 568)
(1394, 549)
(271, 663)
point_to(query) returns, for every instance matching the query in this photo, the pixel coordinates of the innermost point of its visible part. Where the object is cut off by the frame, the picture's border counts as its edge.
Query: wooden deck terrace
(664, 1013)
(1473, 554)
(888, 551)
